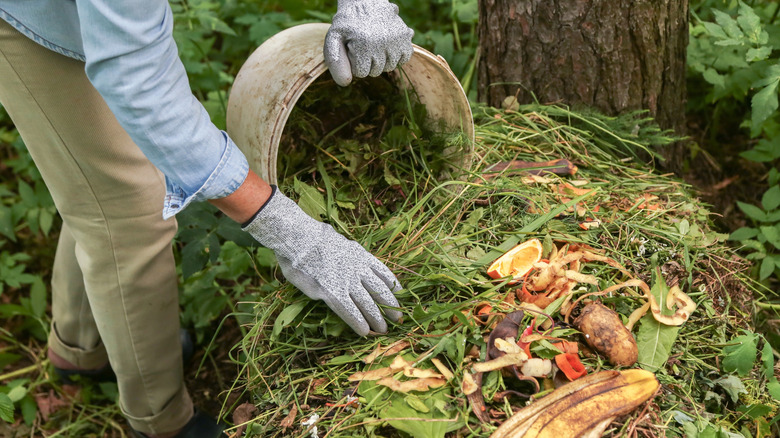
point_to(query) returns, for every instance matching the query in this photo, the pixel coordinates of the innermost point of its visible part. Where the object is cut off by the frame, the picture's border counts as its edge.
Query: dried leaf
(372, 374)
(420, 373)
(289, 420)
(49, 403)
(412, 385)
(399, 363)
(390, 350)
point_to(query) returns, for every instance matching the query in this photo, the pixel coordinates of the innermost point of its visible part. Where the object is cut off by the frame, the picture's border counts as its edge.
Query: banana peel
(580, 408)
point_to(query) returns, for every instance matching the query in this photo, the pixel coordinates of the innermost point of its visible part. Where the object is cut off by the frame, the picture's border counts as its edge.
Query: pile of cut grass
(439, 238)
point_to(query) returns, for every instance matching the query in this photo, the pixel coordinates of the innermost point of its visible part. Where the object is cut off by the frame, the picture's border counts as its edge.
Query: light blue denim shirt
(132, 60)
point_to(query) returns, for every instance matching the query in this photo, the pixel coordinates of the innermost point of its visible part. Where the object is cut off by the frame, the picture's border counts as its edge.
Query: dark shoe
(199, 426)
(106, 374)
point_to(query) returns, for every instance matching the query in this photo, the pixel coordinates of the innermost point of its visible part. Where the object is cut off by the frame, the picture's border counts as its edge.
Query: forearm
(242, 204)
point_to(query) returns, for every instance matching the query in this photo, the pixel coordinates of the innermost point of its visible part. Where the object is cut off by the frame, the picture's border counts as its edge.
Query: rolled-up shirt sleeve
(133, 62)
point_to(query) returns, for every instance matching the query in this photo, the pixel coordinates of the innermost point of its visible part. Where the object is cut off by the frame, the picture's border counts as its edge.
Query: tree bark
(613, 55)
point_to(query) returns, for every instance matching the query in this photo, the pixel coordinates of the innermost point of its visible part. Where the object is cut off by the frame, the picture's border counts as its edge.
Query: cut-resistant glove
(327, 266)
(366, 37)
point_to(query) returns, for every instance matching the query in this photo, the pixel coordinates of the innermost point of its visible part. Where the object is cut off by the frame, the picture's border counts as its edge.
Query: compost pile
(559, 287)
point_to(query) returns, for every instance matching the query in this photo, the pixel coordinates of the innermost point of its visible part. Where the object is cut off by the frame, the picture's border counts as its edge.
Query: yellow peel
(513, 426)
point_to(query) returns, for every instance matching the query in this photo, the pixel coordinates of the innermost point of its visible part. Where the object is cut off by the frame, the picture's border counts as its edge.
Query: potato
(605, 333)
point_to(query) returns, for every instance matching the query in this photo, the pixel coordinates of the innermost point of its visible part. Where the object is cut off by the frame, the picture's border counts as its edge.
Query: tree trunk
(613, 55)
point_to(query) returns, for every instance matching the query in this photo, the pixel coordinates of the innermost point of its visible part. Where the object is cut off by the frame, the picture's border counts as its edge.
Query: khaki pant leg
(74, 334)
(110, 197)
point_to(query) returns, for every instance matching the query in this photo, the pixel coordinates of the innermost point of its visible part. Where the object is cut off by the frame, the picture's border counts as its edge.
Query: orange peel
(517, 262)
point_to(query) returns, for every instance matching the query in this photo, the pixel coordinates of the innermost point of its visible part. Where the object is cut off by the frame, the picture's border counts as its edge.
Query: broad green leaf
(729, 25)
(768, 365)
(391, 179)
(755, 411)
(767, 268)
(772, 234)
(416, 404)
(691, 431)
(768, 361)
(741, 356)
(38, 297)
(17, 393)
(7, 359)
(46, 220)
(465, 11)
(193, 257)
(772, 74)
(310, 200)
(764, 104)
(29, 410)
(7, 223)
(749, 22)
(713, 77)
(110, 390)
(6, 408)
(773, 177)
(655, 340)
(752, 211)
(773, 216)
(287, 316)
(265, 257)
(415, 420)
(27, 194)
(743, 234)
(715, 30)
(728, 42)
(757, 155)
(773, 388)
(236, 260)
(733, 386)
(771, 198)
(759, 54)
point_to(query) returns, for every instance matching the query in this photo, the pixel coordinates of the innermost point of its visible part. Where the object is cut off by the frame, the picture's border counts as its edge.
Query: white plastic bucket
(273, 78)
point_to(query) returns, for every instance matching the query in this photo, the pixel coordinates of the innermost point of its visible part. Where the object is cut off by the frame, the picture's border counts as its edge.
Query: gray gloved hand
(327, 266)
(367, 37)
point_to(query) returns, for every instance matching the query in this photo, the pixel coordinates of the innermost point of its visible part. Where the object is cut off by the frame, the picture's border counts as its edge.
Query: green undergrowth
(439, 236)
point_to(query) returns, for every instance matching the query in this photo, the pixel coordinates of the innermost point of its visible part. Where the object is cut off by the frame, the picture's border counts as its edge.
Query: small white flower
(312, 420)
